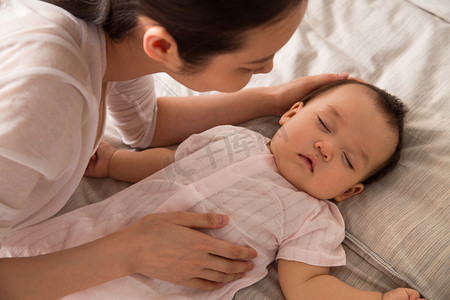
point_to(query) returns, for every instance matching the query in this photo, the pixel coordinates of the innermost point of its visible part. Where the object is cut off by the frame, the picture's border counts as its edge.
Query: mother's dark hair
(201, 28)
(394, 110)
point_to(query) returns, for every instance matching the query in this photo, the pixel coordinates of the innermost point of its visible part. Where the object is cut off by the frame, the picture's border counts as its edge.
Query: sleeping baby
(279, 194)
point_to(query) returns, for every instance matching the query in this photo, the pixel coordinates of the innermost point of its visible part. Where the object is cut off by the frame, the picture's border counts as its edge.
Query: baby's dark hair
(201, 28)
(395, 111)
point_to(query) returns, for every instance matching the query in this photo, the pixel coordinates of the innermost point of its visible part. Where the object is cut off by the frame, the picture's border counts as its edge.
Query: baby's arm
(302, 281)
(128, 165)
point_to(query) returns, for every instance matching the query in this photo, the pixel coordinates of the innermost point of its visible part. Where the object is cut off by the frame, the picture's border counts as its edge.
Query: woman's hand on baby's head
(99, 163)
(357, 79)
(285, 95)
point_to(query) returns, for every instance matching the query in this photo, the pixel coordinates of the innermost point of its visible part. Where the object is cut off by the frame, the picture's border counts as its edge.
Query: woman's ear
(159, 45)
(291, 112)
(354, 190)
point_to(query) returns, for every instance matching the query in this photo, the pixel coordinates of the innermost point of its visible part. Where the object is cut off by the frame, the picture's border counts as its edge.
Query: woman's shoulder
(36, 16)
(44, 39)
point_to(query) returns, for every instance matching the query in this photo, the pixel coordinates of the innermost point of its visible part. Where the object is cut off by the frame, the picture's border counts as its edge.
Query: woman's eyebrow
(261, 60)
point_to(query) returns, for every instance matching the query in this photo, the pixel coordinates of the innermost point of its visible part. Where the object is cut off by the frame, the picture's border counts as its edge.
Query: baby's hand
(402, 294)
(99, 163)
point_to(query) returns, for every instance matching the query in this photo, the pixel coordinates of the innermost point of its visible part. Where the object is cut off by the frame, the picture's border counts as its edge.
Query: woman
(59, 72)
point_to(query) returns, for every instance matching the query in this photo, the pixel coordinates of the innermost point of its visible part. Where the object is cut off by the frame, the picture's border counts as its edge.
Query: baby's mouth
(308, 161)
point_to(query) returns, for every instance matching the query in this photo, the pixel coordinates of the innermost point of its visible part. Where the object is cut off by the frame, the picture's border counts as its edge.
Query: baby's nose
(324, 150)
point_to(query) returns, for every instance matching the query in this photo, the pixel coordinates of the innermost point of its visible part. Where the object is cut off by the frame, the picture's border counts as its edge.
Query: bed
(397, 231)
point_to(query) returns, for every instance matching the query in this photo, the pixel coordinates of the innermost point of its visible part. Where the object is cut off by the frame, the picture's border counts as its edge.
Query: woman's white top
(52, 112)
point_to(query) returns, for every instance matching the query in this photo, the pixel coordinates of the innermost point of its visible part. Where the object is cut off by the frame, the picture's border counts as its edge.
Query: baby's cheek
(325, 188)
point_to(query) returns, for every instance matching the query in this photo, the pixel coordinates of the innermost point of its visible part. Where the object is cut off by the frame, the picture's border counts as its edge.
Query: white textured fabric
(51, 66)
(51, 70)
(132, 109)
(224, 170)
(439, 8)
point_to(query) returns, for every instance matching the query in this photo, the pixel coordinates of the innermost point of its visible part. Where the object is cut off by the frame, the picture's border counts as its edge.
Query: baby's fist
(99, 163)
(402, 294)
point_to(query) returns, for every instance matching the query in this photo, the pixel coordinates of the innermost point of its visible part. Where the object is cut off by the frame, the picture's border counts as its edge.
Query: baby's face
(332, 143)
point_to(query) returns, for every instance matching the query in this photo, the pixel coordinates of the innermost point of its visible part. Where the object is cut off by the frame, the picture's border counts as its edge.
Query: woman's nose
(325, 150)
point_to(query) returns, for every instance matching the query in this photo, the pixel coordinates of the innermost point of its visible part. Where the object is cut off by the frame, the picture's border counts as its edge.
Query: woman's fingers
(357, 79)
(216, 247)
(216, 276)
(285, 95)
(200, 220)
(203, 284)
(210, 279)
(228, 250)
(215, 280)
(316, 81)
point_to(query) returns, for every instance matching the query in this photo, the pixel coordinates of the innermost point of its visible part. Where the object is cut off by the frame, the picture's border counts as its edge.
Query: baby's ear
(354, 190)
(291, 112)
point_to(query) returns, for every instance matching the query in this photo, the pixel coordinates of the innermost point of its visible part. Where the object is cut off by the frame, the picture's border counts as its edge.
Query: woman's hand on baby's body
(402, 294)
(99, 163)
(167, 246)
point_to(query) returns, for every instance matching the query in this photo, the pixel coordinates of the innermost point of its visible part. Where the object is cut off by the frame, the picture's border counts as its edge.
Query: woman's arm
(302, 281)
(179, 117)
(161, 246)
(58, 274)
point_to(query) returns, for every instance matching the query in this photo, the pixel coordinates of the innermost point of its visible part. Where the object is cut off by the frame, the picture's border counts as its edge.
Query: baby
(276, 192)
